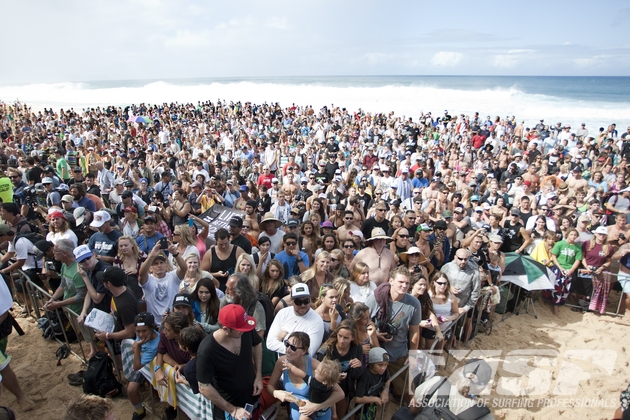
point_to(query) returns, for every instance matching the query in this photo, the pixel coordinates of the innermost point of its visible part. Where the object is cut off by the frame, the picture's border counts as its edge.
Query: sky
(68, 40)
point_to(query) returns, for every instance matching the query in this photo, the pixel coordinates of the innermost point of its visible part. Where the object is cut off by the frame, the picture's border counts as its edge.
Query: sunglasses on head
(291, 346)
(302, 302)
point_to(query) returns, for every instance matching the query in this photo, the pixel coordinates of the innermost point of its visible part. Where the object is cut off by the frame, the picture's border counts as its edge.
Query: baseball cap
(447, 214)
(119, 181)
(82, 252)
(601, 230)
(236, 221)
(112, 273)
(300, 290)
(47, 180)
(495, 238)
(243, 188)
(195, 184)
(182, 299)
(378, 355)
(100, 218)
(234, 317)
(292, 223)
(79, 215)
(423, 228)
(130, 209)
(126, 194)
(515, 212)
(67, 198)
(145, 319)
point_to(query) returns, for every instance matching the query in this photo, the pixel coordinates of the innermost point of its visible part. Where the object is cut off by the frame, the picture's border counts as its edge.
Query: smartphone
(249, 408)
(163, 243)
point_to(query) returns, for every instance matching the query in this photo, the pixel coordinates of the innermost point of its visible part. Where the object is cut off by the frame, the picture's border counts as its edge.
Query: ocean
(596, 101)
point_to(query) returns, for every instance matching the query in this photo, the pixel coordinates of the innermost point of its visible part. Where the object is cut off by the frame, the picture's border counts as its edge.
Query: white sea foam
(403, 100)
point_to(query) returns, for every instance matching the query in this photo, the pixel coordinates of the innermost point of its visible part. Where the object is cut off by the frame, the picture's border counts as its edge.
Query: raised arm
(143, 274)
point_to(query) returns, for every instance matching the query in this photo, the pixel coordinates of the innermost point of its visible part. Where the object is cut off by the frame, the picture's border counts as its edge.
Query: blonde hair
(198, 272)
(330, 372)
(185, 234)
(134, 246)
(312, 271)
(253, 278)
(323, 290)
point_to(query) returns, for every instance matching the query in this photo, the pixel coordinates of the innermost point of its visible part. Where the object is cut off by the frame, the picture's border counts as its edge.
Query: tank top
(511, 239)
(443, 309)
(226, 265)
(300, 391)
(201, 247)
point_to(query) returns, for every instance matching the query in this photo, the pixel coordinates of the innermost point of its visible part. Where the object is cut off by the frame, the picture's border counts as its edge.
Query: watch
(299, 260)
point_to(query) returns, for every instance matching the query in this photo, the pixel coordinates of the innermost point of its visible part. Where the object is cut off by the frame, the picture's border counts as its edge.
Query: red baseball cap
(234, 317)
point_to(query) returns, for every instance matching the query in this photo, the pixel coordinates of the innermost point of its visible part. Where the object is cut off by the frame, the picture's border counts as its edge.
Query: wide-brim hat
(412, 250)
(378, 233)
(269, 217)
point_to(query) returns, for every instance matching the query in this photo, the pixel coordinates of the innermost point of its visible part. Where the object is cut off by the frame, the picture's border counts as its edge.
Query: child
(326, 375)
(144, 350)
(189, 340)
(373, 386)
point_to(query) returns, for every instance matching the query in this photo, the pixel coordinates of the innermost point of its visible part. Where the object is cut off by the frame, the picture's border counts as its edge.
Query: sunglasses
(461, 259)
(290, 243)
(403, 236)
(291, 346)
(334, 259)
(441, 283)
(301, 302)
(348, 246)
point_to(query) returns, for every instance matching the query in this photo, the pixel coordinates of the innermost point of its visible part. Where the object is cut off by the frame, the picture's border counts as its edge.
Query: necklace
(379, 255)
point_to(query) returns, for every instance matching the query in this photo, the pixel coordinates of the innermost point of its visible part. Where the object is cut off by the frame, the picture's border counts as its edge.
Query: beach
(538, 356)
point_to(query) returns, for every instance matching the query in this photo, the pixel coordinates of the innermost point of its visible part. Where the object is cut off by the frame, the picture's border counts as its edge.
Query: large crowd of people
(361, 236)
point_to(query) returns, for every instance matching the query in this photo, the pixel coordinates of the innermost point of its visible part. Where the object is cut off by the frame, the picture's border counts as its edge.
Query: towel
(167, 393)
(381, 295)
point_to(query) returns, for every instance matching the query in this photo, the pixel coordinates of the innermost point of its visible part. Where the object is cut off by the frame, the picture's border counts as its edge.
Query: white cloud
(446, 58)
(376, 57)
(505, 60)
(278, 22)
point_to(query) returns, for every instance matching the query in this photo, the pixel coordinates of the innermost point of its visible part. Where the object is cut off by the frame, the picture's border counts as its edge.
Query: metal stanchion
(36, 291)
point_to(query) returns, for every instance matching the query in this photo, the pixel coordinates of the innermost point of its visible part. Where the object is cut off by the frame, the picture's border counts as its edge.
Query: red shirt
(370, 160)
(265, 180)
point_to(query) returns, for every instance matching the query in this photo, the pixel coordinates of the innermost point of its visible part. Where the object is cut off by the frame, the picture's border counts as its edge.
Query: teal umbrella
(527, 273)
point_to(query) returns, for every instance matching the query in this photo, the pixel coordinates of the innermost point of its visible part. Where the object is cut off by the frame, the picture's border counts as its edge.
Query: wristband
(175, 255)
(155, 369)
(106, 336)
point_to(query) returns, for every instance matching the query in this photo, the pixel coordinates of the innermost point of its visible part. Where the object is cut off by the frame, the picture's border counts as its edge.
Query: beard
(229, 299)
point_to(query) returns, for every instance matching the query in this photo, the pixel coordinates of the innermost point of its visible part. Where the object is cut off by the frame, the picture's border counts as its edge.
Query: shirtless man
(343, 232)
(431, 192)
(377, 256)
(576, 182)
(252, 217)
(241, 202)
(290, 187)
(620, 226)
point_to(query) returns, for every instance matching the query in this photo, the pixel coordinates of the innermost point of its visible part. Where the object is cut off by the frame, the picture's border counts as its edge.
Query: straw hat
(379, 233)
(412, 250)
(268, 217)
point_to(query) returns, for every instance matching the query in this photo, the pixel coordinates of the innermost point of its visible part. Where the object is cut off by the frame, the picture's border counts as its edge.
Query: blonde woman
(343, 287)
(245, 265)
(327, 308)
(318, 274)
(186, 244)
(130, 258)
(194, 273)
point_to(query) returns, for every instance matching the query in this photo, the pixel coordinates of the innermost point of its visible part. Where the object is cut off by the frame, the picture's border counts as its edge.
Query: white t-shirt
(23, 251)
(68, 234)
(361, 293)
(286, 320)
(159, 293)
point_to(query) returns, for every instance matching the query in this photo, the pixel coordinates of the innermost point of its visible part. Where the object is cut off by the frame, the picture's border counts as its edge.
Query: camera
(28, 196)
(50, 266)
(386, 328)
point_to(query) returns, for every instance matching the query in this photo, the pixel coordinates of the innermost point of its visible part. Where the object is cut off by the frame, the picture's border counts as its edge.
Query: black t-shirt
(243, 243)
(125, 308)
(230, 374)
(190, 373)
(370, 224)
(104, 304)
(34, 174)
(322, 176)
(370, 384)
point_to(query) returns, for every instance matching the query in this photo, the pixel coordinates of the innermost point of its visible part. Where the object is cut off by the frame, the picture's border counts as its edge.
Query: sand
(33, 360)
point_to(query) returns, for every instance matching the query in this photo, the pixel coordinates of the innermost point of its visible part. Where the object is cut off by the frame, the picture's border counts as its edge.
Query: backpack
(267, 306)
(34, 228)
(256, 257)
(99, 379)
